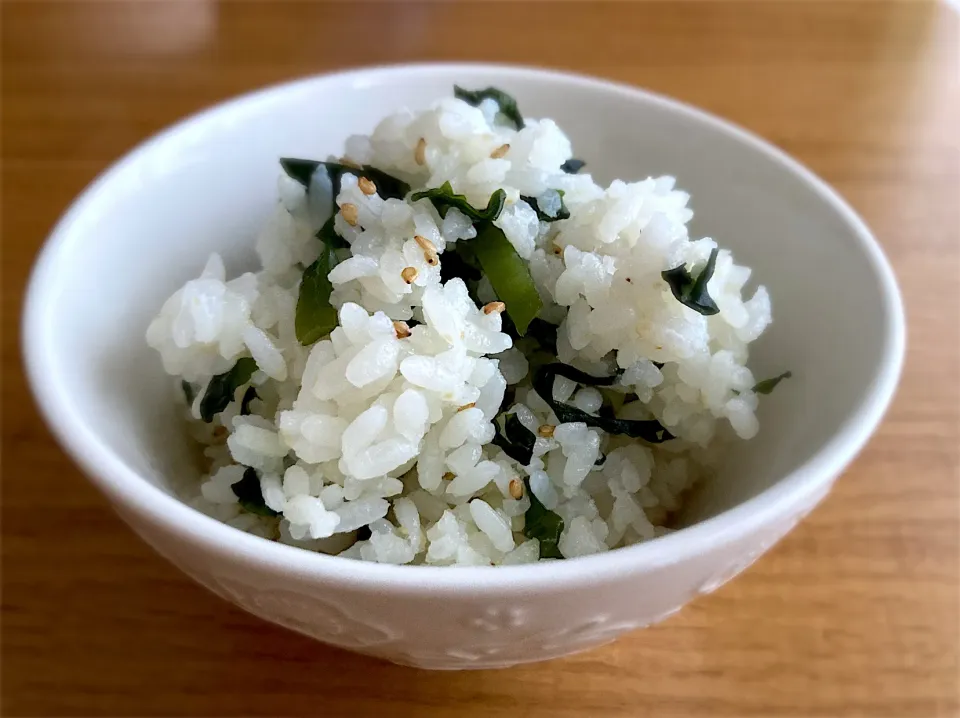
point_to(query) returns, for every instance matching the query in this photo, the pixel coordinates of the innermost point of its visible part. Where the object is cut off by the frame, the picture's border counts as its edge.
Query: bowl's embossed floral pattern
(496, 619)
(306, 613)
(495, 637)
(510, 639)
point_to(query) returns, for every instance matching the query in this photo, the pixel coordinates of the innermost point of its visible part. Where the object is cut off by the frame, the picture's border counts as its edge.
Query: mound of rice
(376, 442)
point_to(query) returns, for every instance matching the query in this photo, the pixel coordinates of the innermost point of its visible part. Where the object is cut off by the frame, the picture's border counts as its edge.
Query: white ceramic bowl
(204, 185)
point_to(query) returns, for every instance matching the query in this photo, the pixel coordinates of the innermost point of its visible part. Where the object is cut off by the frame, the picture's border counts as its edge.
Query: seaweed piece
(506, 103)
(516, 440)
(545, 333)
(767, 385)
(443, 198)
(388, 186)
(542, 524)
(315, 316)
(222, 387)
(692, 291)
(460, 262)
(248, 493)
(649, 430)
(248, 396)
(561, 213)
(508, 274)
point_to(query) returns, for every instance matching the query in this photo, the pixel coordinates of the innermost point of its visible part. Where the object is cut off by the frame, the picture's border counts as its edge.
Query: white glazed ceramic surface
(149, 222)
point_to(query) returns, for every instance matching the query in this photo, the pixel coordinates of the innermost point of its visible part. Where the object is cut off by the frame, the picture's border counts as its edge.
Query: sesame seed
(546, 430)
(499, 152)
(366, 186)
(516, 489)
(420, 153)
(409, 274)
(467, 406)
(494, 308)
(449, 475)
(425, 244)
(629, 281)
(350, 213)
(429, 250)
(401, 329)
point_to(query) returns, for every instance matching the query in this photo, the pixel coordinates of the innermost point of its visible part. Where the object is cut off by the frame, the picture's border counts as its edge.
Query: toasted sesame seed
(429, 250)
(516, 489)
(499, 152)
(448, 476)
(350, 213)
(494, 307)
(467, 406)
(420, 153)
(366, 186)
(546, 430)
(425, 244)
(401, 329)
(409, 274)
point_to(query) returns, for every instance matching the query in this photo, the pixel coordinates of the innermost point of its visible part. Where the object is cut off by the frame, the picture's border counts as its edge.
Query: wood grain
(855, 613)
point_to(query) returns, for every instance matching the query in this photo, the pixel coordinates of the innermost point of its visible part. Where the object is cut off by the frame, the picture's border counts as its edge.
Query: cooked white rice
(366, 429)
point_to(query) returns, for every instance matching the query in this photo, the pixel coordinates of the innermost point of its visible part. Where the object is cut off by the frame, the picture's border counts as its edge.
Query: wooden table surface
(855, 613)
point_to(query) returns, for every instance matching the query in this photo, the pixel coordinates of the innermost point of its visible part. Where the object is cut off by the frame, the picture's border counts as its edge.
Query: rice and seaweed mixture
(462, 350)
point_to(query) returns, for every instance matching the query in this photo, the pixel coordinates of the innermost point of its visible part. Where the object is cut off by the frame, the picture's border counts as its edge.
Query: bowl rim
(127, 487)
